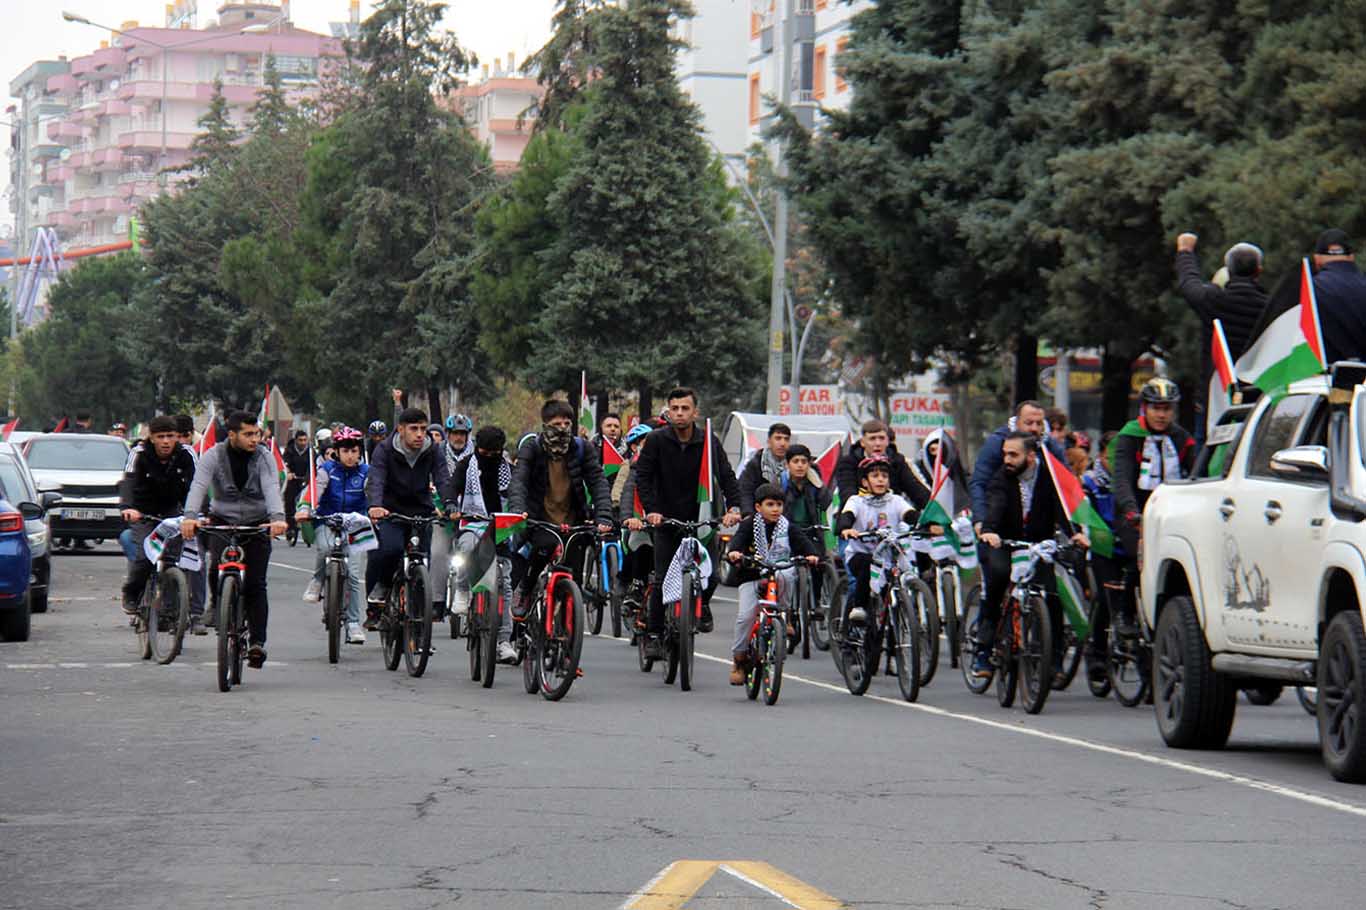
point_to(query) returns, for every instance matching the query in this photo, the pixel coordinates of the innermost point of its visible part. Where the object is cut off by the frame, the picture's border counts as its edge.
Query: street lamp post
(778, 293)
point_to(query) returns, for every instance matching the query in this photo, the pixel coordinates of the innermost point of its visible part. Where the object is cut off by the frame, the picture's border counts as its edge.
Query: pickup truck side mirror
(49, 499)
(1301, 463)
(31, 511)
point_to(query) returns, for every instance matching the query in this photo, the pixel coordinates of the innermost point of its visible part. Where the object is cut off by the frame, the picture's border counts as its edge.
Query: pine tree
(215, 147)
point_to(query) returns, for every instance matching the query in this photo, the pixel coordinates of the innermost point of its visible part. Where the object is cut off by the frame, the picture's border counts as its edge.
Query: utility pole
(778, 295)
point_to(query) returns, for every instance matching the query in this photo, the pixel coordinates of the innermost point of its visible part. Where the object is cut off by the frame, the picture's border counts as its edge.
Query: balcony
(46, 148)
(115, 108)
(63, 129)
(38, 191)
(60, 173)
(104, 62)
(66, 84)
(107, 159)
(62, 221)
(78, 160)
(151, 140)
(144, 91)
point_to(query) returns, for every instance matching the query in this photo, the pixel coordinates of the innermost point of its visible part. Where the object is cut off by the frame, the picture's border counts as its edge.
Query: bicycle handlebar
(689, 526)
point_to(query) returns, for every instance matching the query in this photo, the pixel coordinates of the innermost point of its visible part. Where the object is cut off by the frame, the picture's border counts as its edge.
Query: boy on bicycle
(875, 507)
(766, 536)
(340, 491)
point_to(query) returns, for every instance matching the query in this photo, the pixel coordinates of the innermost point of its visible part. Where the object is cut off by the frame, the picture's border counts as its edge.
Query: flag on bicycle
(360, 533)
(706, 488)
(1073, 601)
(483, 568)
(209, 438)
(671, 591)
(155, 543)
(1078, 508)
(264, 414)
(585, 409)
(612, 461)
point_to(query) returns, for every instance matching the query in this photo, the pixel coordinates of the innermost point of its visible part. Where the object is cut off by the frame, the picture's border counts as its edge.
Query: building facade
(500, 108)
(31, 197)
(113, 125)
(712, 72)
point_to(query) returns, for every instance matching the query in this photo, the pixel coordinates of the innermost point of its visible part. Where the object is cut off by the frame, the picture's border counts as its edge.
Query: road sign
(672, 888)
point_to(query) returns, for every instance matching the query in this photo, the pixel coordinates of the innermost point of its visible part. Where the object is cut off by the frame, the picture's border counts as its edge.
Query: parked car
(18, 486)
(85, 468)
(16, 565)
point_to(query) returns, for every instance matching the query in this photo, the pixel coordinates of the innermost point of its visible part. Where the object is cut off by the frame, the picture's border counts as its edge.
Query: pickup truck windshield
(73, 453)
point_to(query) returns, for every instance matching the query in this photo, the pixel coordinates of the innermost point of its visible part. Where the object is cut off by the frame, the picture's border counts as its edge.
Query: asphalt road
(124, 784)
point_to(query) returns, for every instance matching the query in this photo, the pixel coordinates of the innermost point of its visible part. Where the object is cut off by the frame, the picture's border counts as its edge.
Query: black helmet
(1159, 390)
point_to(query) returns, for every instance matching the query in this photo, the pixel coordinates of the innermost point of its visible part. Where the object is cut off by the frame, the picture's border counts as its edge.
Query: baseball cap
(1333, 242)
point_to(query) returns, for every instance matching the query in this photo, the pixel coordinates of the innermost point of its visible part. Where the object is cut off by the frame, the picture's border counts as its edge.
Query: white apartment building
(500, 109)
(712, 71)
(31, 198)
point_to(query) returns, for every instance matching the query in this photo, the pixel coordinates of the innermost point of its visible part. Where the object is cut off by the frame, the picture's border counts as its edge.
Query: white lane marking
(646, 888)
(30, 666)
(755, 884)
(122, 665)
(1252, 783)
(281, 565)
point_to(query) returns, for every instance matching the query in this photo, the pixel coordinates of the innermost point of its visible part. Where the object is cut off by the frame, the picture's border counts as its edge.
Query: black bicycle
(336, 570)
(231, 610)
(892, 626)
(813, 598)
(551, 633)
(680, 622)
(164, 609)
(405, 625)
(483, 610)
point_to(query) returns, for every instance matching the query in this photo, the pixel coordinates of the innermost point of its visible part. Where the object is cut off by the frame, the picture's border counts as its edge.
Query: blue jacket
(989, 463)
(345, 490)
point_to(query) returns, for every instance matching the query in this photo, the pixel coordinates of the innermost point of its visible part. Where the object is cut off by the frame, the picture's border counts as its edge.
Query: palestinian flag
(506, 524)
(9, 428)
(1078, 507)
(264, 414)
(309, 498)
(585, 409)
(1073, 602)
(706, 488)
(1223, 383)
(279, 462)
(1290, 344)
(484, 560)
(825, 476)
(939, 510)
(210, 437)
(612, 461)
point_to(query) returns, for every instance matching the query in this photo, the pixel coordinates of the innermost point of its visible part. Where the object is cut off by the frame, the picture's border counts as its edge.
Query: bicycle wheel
(948, 613)
(239, 635)
(1006, 655)
(391, 626)
(592, 588)
(474, 632)
(417, 631)
(1098, 684)
(614, 594)
(858, 660)
(773, 661)
(535, 631)
(646, 664)
(560, 652)
(1072, 651)
(227, 629)
(1127, 670)
(825, 601)
(756, 653)
(967, 645)
(334, 589)
(904, 634)
(145, 619)
(489, 624)
(918, 600)
(1036, 655)
(175, 599)
(802, 597)
(690, 607)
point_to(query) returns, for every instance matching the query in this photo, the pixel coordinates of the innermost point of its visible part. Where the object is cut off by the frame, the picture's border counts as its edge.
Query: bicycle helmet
(639, 431)
(378, 428)
(1159, 390)
(323, 436)
(874, 462)
(346, 436)
(459, 423)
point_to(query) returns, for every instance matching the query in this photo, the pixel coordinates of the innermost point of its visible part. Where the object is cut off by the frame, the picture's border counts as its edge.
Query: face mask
(555, 441)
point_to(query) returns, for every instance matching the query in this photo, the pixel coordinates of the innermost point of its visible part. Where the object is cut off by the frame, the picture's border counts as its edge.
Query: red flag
(826, 464)
(9, 428)
(210, 437)
(279, 462)
(611, 458)
(61, 426)
(1078, 508)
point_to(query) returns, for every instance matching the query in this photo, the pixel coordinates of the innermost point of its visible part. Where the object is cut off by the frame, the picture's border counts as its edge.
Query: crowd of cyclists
(778, 507)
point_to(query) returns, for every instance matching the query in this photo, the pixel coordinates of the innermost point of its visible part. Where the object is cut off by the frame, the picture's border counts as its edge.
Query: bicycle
(812, 610)
(231, 612)
(405, 625)
(601, 584)
(767, 645)
(164, 608)
(680, 623)
(893, 626)
(1023, 651)
(550, 638)
(635, 606)
(1128, 658)
(336, 575)
(483, 614)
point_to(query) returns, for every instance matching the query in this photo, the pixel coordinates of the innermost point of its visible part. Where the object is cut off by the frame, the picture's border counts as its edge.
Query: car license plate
(83, 514)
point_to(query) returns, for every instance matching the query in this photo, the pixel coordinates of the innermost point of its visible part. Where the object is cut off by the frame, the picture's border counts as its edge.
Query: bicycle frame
(555, 570)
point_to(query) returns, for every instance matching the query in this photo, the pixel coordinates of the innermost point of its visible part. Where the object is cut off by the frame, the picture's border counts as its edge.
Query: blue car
(16, 564)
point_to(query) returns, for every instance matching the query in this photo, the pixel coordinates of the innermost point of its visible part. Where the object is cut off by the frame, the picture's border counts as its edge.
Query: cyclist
(805, 503)
(667, 473)
(875, 507)
(403, 473)
(155, 482)
(621, 498)
(478, 486)
(340, 491)
(764, 465)
(184, 428)
(1022, 504)
(458, 442)
(322, 446)
(375, 434)
(241, 478)
(609, 430)
(1098, 483)
(555, 476)
(765, 535)
(1147, 451)
(297, 457)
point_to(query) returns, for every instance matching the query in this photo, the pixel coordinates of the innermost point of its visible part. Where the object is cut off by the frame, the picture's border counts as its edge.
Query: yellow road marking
(672, 888)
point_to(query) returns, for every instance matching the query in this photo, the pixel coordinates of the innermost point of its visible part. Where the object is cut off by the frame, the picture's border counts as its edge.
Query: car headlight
(37, 538)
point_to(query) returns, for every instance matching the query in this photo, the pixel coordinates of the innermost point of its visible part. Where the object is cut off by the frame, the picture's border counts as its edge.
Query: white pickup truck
(1254, 571)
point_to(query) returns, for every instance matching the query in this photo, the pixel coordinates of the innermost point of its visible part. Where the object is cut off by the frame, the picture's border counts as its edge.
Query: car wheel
(1342, 688)
(14, 623)
(1194, 705)
(37, 599)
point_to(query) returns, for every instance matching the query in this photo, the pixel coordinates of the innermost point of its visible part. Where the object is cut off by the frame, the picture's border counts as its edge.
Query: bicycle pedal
(578, 672)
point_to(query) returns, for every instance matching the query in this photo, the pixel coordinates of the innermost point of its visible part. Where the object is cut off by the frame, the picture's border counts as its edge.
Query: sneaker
(371, 618)
(355, 635)
(858, 614)
(379, 594)
(256, 657)
(314, 592)
(981, 665)
(130, 606)
(654, 647)
(460, 602)
(507, 654)
(197, 626)
(705, 624)
(737, 671)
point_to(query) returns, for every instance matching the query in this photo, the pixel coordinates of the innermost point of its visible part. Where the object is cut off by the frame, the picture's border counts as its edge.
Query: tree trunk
(1026, 382)
(964, 422)
(646, 402)
(434, 404)
(372, 408)
(1116, 367)
(603, 404)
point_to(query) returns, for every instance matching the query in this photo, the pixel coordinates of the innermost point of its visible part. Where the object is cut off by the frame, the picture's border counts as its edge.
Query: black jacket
(1125, 466)
(399, 487)
(667, 471)
(1005, 511)
(453, 493)
(531, 480)
(750, 479)
(156, 487)
(743, 542)
(297, 462)
(1238, 306)
(846, 474)
(1341, 292)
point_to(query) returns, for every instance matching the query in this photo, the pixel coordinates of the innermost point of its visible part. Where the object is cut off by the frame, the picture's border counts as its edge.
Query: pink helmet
(346, 436)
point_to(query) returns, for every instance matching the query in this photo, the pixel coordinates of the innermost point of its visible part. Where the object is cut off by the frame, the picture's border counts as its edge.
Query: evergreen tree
(214, 148)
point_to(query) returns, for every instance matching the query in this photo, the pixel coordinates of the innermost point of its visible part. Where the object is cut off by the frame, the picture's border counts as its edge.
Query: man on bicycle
(403, 472)
(155, 482)
(1022, 504)
(555, 476)
(667, 474)
(340, 491)
(241, 478)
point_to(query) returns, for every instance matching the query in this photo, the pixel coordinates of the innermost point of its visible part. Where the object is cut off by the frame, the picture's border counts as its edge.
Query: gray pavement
(132, 785)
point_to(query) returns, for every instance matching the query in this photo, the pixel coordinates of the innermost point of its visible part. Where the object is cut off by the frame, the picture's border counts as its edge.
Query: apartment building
(111, 123)
(712, 71)
(820, 32)
(500, 109)
(31, 198)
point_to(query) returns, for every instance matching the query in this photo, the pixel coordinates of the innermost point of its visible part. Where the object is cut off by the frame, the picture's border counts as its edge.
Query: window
(1276, 431)
(754, 98)
(13, 485)
(818, 72)
(840, 84)
(76, 454)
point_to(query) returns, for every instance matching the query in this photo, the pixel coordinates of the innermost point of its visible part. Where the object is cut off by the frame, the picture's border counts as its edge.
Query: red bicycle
(550, 637)
(768, 634)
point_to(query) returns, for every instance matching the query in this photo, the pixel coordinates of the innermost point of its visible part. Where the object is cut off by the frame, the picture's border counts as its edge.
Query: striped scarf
(474, 491)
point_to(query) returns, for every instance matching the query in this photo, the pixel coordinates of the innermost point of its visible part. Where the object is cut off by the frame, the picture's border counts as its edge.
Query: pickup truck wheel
(1194, 705)
(1342, 694)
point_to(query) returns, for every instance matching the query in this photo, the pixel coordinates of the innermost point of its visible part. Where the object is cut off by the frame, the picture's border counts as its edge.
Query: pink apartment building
(500, 108)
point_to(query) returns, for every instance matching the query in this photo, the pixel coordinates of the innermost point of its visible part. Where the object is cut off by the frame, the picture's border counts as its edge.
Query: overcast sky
(34, 30)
